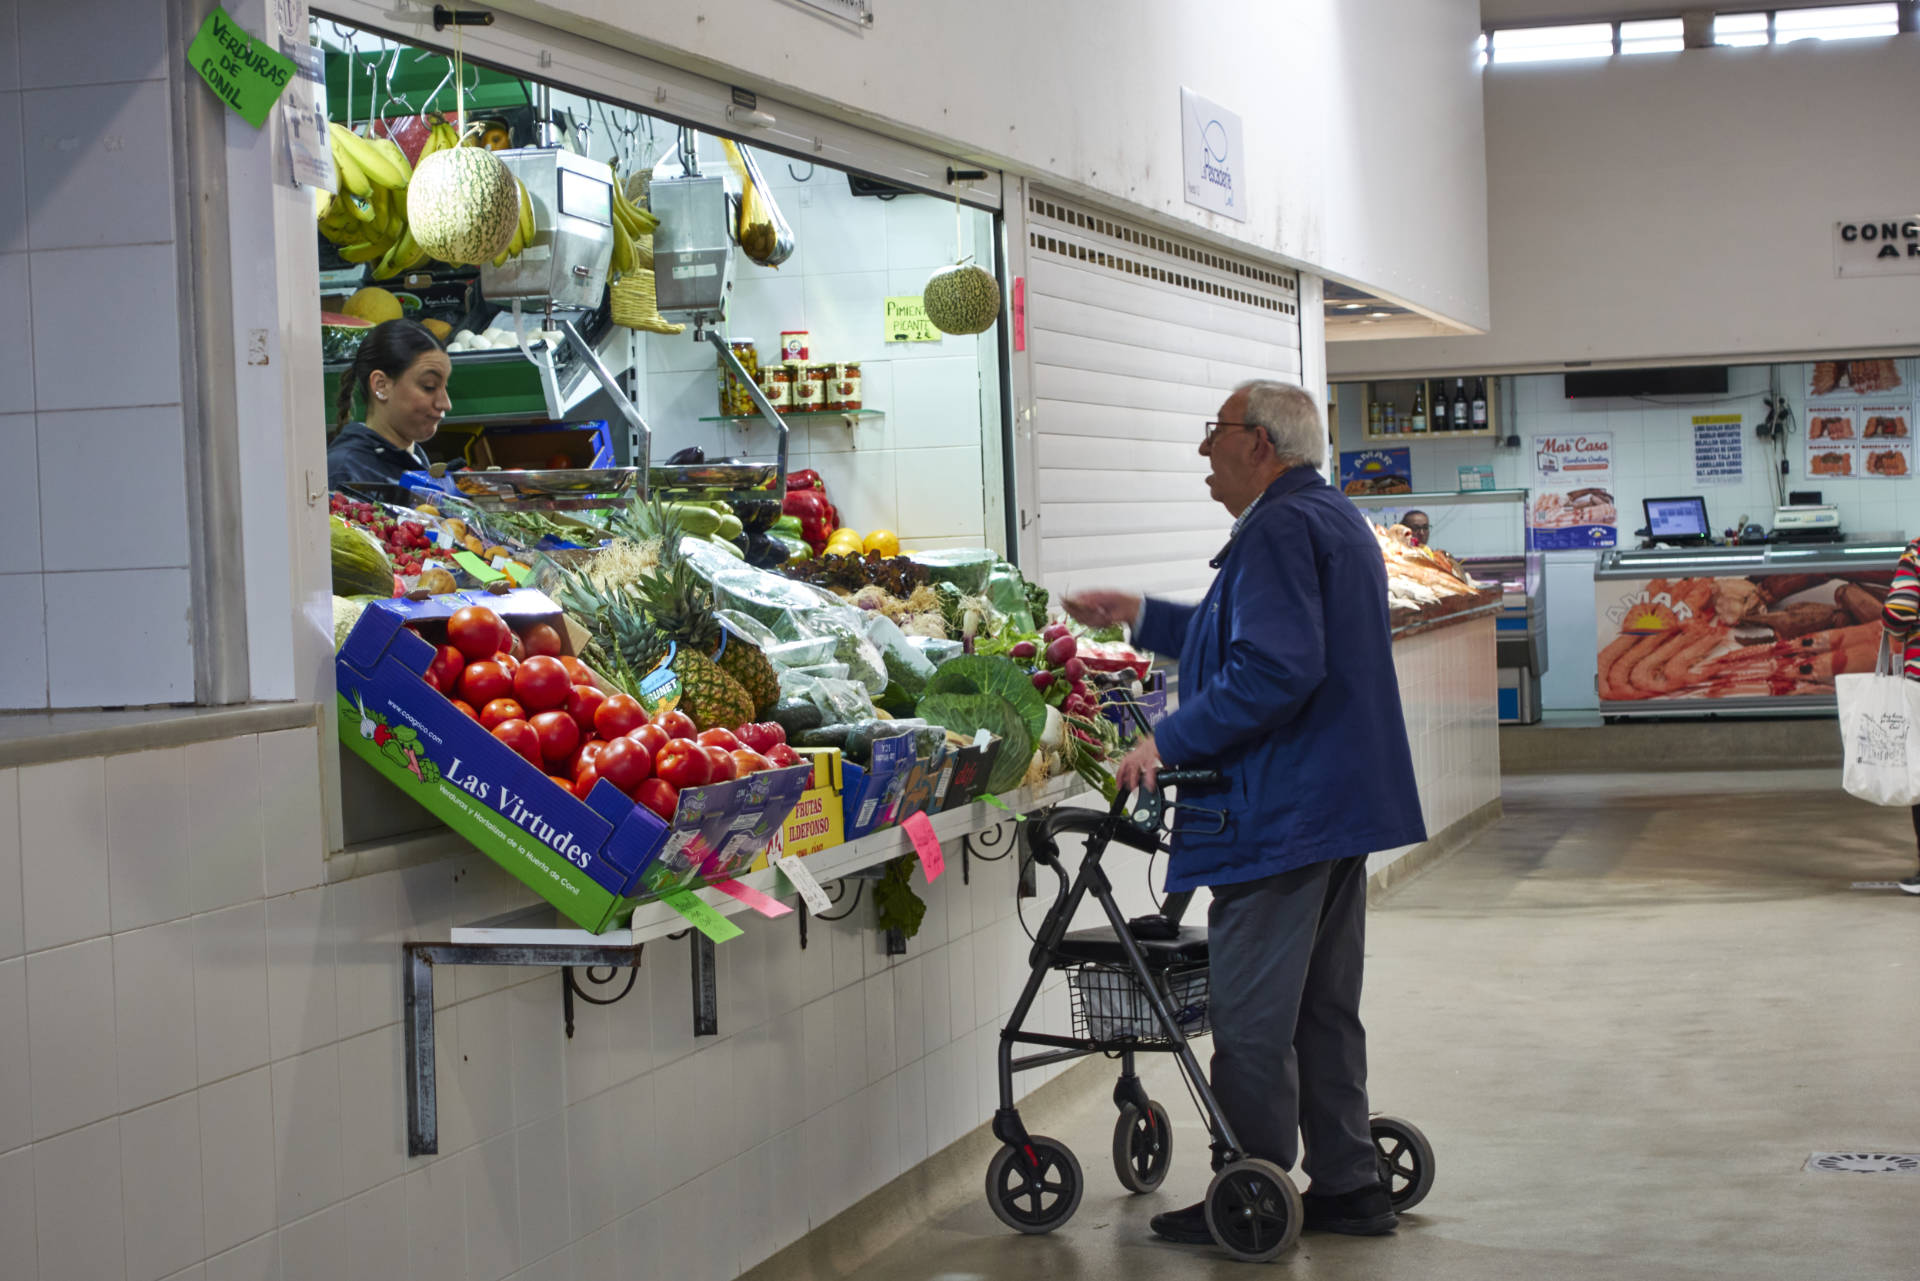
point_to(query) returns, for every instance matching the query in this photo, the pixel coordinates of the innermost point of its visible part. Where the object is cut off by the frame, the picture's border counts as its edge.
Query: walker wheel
(1406, 1160)
(1034, 1188)
(1142, 1147)
(1253, 1210)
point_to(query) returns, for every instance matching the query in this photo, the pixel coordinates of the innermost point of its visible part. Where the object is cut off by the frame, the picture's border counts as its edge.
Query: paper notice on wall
(1572, 503)
(303, 109)
(1719, 446)
(1886, 441)
(1855, 379)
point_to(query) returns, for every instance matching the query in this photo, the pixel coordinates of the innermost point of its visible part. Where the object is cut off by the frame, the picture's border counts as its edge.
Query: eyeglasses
(1214, 427)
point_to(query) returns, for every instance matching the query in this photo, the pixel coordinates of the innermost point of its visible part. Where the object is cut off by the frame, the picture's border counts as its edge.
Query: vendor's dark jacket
(1287, 685)
(358, 453)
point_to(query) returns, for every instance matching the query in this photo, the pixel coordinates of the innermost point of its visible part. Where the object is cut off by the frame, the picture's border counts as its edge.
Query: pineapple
(681, 604)
(630, 645)
(713, 698)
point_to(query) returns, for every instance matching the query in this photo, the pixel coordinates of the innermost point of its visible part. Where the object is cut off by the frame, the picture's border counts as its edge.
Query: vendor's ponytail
(390, 347)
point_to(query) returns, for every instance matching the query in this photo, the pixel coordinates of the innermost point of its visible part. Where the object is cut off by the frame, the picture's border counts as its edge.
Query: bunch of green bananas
(367, 218)
(630, 222)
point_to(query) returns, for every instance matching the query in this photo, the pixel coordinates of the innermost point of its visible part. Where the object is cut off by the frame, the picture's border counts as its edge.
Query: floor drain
(1865, 1162)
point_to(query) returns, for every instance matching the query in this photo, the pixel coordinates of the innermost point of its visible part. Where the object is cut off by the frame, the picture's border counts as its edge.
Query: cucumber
(796, 716)
(823, 736)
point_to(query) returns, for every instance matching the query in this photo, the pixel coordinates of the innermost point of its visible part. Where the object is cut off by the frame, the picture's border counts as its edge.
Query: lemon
(884, 541)
(375, 304)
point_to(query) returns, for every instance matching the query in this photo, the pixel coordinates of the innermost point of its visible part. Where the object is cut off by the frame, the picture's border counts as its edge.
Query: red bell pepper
(805, 479)
(816, 515)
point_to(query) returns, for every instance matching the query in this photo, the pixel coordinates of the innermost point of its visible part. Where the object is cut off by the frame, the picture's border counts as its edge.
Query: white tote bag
(1880, 733)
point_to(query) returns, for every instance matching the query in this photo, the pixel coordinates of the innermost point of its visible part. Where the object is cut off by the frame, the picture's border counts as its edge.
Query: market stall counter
(1740, 631)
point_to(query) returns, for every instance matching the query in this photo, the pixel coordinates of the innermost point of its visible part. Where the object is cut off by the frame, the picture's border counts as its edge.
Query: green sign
(907, 321)
(701, 916)
(246, 73)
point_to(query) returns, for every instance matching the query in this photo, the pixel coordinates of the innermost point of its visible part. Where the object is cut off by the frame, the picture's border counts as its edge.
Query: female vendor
(400, 378)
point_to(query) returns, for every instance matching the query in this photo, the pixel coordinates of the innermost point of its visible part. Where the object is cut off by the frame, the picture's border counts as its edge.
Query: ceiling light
(1378, 315)
(1351, 306)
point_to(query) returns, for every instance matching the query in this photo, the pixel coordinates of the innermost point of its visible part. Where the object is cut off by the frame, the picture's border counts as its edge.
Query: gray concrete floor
(1625, 1016)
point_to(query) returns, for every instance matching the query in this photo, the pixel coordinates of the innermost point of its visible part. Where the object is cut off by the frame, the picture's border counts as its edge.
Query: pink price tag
(919, 830)
(751, 897)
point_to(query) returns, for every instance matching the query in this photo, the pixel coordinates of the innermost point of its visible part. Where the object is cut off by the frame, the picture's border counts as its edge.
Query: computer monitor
(1676, 519)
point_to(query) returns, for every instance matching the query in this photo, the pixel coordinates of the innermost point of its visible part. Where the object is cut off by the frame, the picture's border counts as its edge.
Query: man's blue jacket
(1287, 685)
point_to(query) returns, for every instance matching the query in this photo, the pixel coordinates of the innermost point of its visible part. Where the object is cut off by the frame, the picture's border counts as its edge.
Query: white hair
(1290, 418)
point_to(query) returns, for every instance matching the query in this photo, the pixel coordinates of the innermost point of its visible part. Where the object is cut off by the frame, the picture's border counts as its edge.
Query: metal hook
(796, 177)
(387, 88)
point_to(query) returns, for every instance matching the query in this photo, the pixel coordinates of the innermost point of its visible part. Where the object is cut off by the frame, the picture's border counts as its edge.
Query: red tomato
(624, 763)
(542, 684)
(522, 738)
(589, 753)
(677, 724)
(542, 639)
(746, 762)
(579, 671)
(483, 682)
(651, 737)
(501, 709)
(507, 661)
(723, 738)
(684, 763)
(466, 709)
(475, 632)
(582, 702)
(564, 784)
(515, 647)
(583, 781)
(507, 638)
(722, 766)
(757, 737)
(559, 735)
(621, 714)
(782, 756)
(443, 673)
(658, 795)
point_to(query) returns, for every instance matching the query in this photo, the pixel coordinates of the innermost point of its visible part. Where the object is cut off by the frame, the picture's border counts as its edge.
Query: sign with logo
(1718, 449)
(1572, 505)
(1877, 246)
(1210, 141)
(1376, 471)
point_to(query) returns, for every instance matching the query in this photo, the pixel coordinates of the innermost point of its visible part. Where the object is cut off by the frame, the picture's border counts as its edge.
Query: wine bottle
(1479, 414)
(1418, 423)
(1439, 417)
(1460, 407)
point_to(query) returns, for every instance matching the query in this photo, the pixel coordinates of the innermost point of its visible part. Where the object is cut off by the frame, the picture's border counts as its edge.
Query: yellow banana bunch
(367, 218)
(524, 232)
(630, 223)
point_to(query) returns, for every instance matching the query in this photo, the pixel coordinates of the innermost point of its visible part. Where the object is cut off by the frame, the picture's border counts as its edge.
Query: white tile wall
(83, 122)
(252, 1054)
(1447, 695)
(917, 471)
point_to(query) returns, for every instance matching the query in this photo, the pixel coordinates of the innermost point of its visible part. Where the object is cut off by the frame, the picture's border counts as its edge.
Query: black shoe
(1183, 1227)
(1363, 1212)
(1911, 885)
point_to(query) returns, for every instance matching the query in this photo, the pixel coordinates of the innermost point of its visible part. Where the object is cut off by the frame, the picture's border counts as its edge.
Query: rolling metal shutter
(1133, 340)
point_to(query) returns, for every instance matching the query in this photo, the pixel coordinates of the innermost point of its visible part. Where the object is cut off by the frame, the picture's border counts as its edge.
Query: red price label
(919, 830)
(751, 897)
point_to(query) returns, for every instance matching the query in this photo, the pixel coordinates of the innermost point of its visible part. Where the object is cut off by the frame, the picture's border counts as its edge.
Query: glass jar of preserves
(846, 386)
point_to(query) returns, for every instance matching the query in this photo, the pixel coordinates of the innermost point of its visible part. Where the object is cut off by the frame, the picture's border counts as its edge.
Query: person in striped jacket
(1902, 621)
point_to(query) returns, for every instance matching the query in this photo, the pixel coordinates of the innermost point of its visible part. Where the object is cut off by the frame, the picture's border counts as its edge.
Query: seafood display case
(1520, 630)
(1751, 630)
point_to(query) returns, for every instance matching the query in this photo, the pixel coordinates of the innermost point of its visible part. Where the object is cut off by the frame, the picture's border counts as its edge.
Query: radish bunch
(1061, 676)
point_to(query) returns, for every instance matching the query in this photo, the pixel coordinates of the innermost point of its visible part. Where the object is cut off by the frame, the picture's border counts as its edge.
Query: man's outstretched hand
(1098, 608)
(1140, 767)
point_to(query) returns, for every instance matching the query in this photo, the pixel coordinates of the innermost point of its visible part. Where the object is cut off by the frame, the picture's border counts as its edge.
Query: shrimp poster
(1572, 505)
(1765, 636)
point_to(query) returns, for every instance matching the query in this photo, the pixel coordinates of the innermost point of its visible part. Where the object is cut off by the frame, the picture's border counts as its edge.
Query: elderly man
(1287, 686)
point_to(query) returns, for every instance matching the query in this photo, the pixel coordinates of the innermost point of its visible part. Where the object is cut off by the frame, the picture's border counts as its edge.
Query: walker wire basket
(1111, 1005)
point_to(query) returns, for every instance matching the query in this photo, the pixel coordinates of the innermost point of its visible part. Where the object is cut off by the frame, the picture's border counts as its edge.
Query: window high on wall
(1665, 35)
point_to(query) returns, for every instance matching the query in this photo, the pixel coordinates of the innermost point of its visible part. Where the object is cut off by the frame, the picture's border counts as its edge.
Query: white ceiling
(1510, 13)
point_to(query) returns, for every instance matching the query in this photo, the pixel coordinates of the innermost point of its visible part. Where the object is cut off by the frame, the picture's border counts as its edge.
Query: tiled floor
(1625, 1017)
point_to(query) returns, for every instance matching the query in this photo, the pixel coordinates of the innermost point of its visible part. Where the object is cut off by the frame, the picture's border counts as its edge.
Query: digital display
(1676, 517)
(584, 197)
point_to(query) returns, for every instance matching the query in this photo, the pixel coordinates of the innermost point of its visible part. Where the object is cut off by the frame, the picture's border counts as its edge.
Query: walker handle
(1189, 778)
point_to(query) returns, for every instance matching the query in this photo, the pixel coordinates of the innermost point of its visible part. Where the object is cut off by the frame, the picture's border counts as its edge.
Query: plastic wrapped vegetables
(792, 611)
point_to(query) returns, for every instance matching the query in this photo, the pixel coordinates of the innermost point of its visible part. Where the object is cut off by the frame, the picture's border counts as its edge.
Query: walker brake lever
(1153, 811)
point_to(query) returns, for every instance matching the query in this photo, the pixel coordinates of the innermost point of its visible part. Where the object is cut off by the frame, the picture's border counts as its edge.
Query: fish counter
(1755, 630)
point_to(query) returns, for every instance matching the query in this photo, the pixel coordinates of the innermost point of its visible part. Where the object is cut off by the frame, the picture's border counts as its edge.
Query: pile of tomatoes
(550, 708)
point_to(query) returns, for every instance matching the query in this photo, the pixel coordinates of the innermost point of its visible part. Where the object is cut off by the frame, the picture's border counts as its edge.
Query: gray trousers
(1289, 1054)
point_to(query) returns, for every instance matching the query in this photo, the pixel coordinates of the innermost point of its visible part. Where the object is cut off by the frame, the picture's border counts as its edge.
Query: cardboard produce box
(818, 820)
(591, 859)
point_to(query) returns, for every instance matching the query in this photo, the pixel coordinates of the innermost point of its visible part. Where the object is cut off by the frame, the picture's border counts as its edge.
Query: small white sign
(1877, 246)
(1210, 145)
